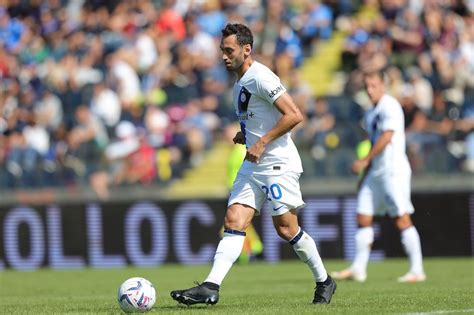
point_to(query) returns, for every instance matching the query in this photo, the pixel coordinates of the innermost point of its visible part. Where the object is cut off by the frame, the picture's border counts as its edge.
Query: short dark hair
(380, 73)
(242, 32)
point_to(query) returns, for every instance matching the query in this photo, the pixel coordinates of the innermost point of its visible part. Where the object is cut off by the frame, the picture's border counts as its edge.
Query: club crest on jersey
(243, 104)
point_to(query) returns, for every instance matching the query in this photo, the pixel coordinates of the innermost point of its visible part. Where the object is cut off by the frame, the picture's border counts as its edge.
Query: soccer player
(270, 171)
(385, 187)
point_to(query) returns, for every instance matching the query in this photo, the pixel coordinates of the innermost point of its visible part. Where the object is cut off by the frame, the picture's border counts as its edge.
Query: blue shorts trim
(235, 232)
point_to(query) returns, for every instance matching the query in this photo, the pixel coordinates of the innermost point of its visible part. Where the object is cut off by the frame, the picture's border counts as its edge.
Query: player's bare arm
(377, 148)
(291, 116)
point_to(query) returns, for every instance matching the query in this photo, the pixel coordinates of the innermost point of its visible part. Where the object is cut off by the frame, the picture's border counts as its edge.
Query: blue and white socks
(227, 252)
(305, 248)
(231, 245)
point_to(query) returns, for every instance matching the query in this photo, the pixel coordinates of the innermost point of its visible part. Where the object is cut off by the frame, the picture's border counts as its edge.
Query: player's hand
(239, 138)
(360, 165)
(255, 152)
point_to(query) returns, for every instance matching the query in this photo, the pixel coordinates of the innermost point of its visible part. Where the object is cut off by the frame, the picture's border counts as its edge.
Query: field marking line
(470, 310)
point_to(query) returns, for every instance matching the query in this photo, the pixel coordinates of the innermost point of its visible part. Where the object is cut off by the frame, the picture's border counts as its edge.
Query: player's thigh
(282, 191)
(246, 191)
(397, 195)
(367, 198)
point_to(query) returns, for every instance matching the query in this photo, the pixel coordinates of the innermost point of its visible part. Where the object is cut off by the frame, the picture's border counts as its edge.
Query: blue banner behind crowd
(150, 233)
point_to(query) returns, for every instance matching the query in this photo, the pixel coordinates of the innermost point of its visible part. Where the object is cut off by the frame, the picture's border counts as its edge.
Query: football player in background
(385, 186)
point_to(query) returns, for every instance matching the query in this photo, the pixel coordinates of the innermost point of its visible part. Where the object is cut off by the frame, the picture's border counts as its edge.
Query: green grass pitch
(256, 288)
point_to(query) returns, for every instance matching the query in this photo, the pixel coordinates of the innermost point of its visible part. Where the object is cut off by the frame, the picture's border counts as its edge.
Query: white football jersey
(253, 97)
(388, 115)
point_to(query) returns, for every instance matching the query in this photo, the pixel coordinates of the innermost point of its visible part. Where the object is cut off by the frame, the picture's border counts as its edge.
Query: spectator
(439, 122)
(147, 53)
(288, 43)
(212, 19)
(423, 92)
(49, 111)
(106, 105)
(85, 143)
(157, 125)
(136, 156)
(316, 21)
(320, 122)
(157, 65)
(407, 35)
(12, 32)
(315, 135)
(201, 45)
(353, 44)
(465, 128)
(125, 77)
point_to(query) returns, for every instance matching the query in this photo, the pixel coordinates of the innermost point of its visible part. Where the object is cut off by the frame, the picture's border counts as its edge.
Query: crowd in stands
(90, 87)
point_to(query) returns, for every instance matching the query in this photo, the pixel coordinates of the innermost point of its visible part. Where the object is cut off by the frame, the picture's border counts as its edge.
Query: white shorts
(283, 191)
(385, 194)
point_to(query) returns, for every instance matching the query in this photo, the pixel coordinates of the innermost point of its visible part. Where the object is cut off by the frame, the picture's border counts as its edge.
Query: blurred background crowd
(112, 93)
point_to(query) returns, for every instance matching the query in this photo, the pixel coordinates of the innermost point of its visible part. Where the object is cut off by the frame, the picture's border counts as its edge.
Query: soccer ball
(136, 295)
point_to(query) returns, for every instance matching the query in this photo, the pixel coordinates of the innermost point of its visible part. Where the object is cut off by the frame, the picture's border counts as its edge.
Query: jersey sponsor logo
(275, 91)
(245, 116)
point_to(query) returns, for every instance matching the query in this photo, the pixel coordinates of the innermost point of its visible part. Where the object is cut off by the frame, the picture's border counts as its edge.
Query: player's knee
(403, 222)
(364, 220)
(234, 223)
(238, 217)
(285, 232)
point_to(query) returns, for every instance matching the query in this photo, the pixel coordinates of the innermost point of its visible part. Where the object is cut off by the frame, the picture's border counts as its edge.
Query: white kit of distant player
(254, 95)
(387, 186)
(136, 295)
(385, 189)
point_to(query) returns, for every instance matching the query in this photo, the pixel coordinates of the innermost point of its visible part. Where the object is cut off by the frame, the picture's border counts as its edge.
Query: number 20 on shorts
(274, 190)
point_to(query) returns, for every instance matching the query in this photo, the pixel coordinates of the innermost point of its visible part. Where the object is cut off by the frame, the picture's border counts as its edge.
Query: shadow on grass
(193, 308)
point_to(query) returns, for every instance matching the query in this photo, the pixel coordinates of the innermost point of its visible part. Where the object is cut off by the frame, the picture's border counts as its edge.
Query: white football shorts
(385, 194)
(283, 191)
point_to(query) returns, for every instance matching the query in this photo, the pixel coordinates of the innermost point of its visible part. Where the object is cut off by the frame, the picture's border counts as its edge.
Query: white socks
(364, 238)
(411, 243)
(227, 252)
(305, 248)
(410, 240)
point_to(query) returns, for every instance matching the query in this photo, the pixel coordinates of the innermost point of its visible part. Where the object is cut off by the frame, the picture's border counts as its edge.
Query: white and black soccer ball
(136, 295)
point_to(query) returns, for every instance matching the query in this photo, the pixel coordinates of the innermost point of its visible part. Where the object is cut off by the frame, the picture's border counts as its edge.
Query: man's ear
(247, 50)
